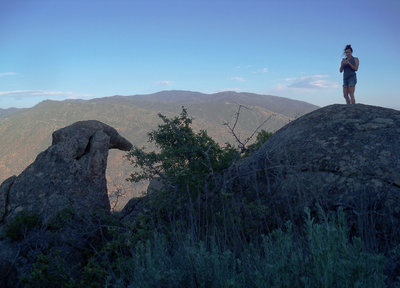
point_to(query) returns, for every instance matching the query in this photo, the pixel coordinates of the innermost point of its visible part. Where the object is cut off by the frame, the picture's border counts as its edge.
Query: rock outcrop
(69, 174)
(61, 199)
(344, 156)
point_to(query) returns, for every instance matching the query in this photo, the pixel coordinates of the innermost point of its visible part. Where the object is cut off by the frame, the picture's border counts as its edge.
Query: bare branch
(242, 144)
(258, 128)
(237, 114)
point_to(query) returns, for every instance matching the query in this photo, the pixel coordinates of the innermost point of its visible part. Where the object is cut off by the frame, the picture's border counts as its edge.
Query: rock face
(69, 174)
(344, 156)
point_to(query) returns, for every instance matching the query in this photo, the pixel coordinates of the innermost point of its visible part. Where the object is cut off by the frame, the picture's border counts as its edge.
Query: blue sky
(67, 49)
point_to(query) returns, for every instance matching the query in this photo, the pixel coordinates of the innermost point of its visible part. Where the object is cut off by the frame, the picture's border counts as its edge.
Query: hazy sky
(59, 49)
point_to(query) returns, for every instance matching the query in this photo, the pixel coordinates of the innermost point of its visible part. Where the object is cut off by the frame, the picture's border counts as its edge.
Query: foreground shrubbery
(324, 257)
(193, 233)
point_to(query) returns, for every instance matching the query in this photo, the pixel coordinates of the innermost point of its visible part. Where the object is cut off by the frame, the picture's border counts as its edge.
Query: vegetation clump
(185, 158)
(21, 225)
(191, 167)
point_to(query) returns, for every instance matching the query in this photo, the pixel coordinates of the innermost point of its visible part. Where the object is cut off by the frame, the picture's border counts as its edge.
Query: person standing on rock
(349, 65)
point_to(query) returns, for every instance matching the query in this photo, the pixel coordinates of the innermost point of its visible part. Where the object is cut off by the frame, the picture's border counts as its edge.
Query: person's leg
(346, 94)
(351, 92)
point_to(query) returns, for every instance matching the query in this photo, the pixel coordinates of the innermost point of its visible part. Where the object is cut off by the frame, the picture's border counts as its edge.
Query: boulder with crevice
(69, 174)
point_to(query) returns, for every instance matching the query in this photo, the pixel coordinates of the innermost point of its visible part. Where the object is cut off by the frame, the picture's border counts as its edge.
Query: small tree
(184, 158)
(194, 198)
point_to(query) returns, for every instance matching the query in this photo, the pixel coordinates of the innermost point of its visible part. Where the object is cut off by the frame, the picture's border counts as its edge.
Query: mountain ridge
(26, 133)
(286, 106)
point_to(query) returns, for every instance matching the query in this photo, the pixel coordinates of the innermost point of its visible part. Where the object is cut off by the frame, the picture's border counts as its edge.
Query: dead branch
(242, 145)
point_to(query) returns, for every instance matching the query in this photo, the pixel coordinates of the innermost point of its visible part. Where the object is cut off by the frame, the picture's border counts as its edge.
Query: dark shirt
(348, 72)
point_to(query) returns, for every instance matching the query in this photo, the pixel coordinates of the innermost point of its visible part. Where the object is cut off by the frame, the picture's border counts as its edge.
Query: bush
(48, 271)
(21, 225)
(262, 137)
(323, 257)
(185, 158)
(190, 165)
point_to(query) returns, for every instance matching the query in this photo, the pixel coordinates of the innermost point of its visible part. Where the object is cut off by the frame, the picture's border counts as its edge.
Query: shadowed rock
(344, 156)
(70, 173)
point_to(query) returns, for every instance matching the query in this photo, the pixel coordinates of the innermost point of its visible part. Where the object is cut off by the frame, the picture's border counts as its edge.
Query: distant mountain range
(24, 133)
(9, 111)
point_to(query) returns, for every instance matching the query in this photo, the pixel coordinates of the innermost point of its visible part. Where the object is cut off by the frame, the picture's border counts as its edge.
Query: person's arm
(354, 67)
(344, 61)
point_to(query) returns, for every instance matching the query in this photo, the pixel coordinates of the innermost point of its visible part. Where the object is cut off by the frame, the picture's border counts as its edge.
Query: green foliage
(185, 158)
(21, 225)
(323, 257)
(48, 271)
(337, 262)
(62, 217)
(190, 165)
(94, 274)
(262, 137)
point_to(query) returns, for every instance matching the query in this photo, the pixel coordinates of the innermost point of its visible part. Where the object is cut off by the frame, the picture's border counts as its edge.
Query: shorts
(350, 82)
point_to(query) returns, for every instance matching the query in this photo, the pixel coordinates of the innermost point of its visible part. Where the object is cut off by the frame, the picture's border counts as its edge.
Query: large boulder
(343, 156)
(57, 205)
(69, 174)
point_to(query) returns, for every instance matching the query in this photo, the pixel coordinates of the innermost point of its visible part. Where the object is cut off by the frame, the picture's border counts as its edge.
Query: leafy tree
(194, 195)
(184, 158)
(190, 165)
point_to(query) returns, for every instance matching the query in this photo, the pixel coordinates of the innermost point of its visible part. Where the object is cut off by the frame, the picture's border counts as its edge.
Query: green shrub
(94, 274)
(185, 158)
(323, 256)
(61, 218)
(261, 138)
(21, 225)
(190, 165)
(48, 271)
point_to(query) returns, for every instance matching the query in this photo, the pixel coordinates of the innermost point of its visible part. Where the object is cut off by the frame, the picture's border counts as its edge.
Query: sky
(83, 49)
